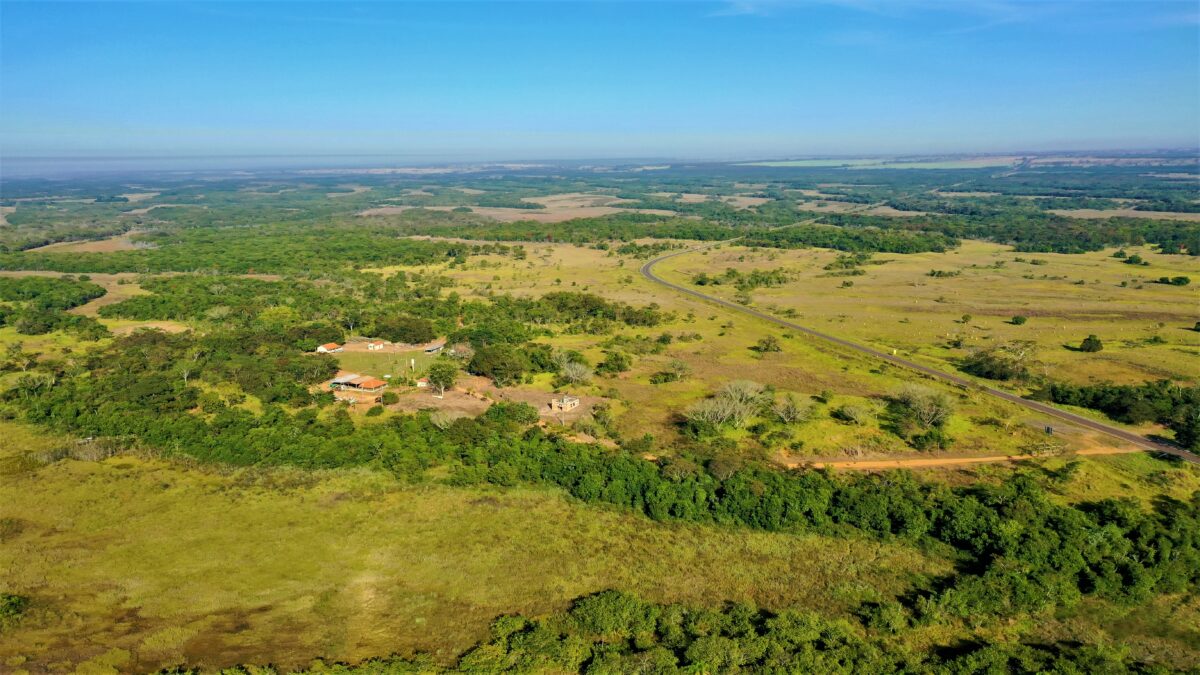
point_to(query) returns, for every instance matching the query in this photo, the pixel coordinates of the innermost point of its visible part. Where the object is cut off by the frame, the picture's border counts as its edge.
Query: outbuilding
(565, 403)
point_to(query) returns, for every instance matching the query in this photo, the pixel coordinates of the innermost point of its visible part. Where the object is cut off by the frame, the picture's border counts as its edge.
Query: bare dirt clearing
(685, 197)
(474, 395)
(574, 200)
(744, 201)
(121, 242)
(556, 209)
(1126, 213)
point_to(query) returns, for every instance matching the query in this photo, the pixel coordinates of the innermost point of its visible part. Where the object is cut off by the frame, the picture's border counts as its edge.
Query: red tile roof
(368, 383)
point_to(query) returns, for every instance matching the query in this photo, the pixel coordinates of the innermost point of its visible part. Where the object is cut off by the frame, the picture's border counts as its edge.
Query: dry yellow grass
(556, 208)
(144, 564)
(120, 242)
(806, 366)
(1126, 213)
(897, 306)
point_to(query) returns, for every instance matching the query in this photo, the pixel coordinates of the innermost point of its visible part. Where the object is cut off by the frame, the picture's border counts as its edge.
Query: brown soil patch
(685, 197)
(571, 200)
(507, 215)
(1126, 213)
(4, 211)
(474, 395)
(140, 196)
(745, 202)
(120, 242)
(457, 402)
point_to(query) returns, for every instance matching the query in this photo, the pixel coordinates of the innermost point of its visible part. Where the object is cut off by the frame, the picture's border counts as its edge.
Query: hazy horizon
(72, 166)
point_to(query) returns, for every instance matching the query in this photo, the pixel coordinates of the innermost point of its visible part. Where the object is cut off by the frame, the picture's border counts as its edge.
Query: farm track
(647, 271)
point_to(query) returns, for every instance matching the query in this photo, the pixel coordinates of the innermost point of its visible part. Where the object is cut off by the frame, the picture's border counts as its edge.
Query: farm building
(423, 382)
(374, 346)
(358, 382)
(329, 348)
(435, 348)
(357, 388)
(564, 404)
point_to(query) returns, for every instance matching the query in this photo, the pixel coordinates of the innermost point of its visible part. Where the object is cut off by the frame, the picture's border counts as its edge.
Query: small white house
(374, 346)
(565, 403)
(423, 382)
(329, 348)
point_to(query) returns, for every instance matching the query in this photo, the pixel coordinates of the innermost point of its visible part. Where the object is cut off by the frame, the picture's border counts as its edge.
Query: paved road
(1078, 420)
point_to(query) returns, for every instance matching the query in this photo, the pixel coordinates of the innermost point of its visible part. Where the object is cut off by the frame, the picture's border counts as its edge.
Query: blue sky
(509, 80)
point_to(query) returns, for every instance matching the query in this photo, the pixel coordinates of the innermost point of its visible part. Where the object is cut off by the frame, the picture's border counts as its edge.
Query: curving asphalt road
(1078, 420)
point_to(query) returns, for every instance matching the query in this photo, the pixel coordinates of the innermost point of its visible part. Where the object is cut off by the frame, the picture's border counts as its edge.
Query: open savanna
(724, 352)
(136, 564)
(553, 208)
(1145, 326)
(1126, 213)
(121, 242)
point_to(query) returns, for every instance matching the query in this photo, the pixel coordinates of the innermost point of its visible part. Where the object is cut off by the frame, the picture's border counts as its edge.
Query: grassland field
(138, 562)
(807, 366)
(897, 305)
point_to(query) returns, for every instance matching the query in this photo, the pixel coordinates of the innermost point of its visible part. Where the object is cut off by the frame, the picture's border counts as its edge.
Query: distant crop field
(117, 243)
(816, 163)
(888, 163)
(1126, 213)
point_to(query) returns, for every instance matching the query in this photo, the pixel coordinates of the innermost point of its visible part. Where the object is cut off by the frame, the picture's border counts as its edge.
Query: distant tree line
(1174, 405)
(615, 632)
